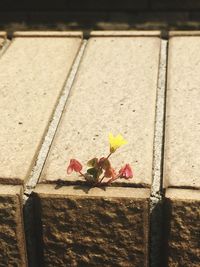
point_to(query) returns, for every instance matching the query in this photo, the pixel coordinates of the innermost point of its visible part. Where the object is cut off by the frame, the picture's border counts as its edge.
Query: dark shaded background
(99, 14)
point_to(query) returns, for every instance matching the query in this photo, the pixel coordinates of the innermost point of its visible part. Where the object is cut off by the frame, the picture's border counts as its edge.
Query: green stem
(82, 174)
(101, 179)
(109, 155)
(113, 179)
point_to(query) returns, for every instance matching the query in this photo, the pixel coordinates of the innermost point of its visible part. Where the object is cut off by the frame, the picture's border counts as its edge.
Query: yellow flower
(116, 142)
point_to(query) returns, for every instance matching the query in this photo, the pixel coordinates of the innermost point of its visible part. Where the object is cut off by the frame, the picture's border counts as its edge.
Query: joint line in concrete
(156, 189)
(159, 124)
(42, 155)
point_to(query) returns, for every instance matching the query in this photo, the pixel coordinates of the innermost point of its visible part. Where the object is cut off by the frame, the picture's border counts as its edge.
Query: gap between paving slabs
(156, 198)
(36, 171)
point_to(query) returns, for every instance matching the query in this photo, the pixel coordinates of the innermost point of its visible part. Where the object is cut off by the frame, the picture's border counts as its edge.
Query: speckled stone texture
(182, 153)
(182, 228)
(93, 228)
(12, 243)
(33, 71)
(114, 91)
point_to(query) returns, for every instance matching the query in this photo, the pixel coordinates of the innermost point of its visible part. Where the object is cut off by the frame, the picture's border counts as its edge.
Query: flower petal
(116, 142)
(69, 170)
(126, 172)
(77, 165)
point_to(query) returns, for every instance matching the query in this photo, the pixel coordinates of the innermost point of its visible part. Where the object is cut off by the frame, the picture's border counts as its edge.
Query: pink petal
(77, 165)
(69, 169)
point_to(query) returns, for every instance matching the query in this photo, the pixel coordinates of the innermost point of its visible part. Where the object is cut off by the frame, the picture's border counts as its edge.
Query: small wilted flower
(110, 173)
(100, 169)
(126, 172)
(74, 165)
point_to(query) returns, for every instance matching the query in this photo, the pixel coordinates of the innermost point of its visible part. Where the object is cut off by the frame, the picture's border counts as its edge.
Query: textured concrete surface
(114, 90)
(182, 228)
(182, 154)
(32, 74)
(93, 228)
(12, 243)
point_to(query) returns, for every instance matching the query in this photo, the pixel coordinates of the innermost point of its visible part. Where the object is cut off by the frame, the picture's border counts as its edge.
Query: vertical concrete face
(12, 242)
(182, 228)
(33, 72)
(92, 227)
(114, 91)
(181, 156)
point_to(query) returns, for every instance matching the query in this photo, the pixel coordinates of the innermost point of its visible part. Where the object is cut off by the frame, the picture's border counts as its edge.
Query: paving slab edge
(84, 191)
(78, 34)
(183, 33)
(182, 194)
(125, 34)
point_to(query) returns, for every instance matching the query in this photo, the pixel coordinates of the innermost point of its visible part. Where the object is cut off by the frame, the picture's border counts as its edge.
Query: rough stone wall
(183, 233)
(85, 231)
(11, 246)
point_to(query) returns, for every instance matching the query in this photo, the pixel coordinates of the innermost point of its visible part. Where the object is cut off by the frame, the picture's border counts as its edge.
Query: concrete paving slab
(33, 72)
(114, 91)
(182, 153)
(92, 227)
(181, 228)
(12, 241)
